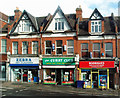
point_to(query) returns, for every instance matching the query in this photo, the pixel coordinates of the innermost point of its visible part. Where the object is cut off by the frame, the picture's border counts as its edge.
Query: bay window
(59, 24)
(96, 26)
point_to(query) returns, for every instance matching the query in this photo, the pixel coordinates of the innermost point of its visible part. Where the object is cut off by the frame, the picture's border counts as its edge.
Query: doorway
(95, 80)
(58, 77)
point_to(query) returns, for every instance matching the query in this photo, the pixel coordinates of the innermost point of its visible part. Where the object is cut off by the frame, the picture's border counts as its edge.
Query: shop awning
(58, 66)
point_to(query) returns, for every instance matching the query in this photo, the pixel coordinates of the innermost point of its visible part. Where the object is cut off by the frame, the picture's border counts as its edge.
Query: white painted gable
(51, 26)
(24, 25)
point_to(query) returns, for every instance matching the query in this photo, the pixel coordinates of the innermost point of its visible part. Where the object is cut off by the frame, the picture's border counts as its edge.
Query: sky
(40, 8)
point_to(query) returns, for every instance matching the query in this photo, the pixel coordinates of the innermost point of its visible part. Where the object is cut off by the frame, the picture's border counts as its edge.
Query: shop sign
(58, 61)
(96, 64)
(24, 60)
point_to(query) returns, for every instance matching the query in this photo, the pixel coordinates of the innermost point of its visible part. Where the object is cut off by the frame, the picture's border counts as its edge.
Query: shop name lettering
(24, 60)
(59, 60)
(96, 64)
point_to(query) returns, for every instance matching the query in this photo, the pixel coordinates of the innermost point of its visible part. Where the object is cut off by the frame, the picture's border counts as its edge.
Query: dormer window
(59, 24)
(96, 26)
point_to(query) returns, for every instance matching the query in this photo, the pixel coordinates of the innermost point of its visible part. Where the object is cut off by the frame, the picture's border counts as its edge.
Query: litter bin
(80, 84)
(36, 79)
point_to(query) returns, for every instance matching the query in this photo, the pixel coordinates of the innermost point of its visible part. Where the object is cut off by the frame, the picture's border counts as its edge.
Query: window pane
(59, 50)
(99, 28)
(59, 43)
(92, 28)
(109, 54)
(25, 48)
(62, 25)
(48, 44)
(48, 51)
(70, 51)
(85, 54)
(3, 45)
(15, 47)
(85, 46)
(55, 26)
(108, 46)
(96, 46)
(92, 23)
(35, 47)
(59, 25)
(96, 54)
(96, 28)
(70, 43)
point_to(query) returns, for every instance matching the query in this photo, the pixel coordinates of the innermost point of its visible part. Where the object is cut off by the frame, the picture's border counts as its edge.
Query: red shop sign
(96, 64)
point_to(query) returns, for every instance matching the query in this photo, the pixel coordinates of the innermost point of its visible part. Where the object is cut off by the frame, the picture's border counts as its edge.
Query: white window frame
(99, 26)
(59, 47)
(36, 48)
(13, 48)
(62, 24)
(70, 47)
(111, 50)
(48, 47)
(96, 50)
(5, 46)
(23, 47)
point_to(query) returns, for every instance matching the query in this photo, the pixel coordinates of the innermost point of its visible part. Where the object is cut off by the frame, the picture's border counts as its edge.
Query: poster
(102, 80)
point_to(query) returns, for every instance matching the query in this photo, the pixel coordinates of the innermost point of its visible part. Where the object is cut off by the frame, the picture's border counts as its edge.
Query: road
(14, 90)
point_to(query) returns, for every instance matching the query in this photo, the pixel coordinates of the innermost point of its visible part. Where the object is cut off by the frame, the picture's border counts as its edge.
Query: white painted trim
(63, 34)
(95, 37)
(118, 37)
(3, 35)
(24, 36)
(58, 66)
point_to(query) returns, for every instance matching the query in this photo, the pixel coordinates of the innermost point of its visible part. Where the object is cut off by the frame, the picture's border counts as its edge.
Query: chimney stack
(79, 13)
(18, 13)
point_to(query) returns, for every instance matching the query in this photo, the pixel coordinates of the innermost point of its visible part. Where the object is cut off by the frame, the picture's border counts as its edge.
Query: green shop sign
(58, 61)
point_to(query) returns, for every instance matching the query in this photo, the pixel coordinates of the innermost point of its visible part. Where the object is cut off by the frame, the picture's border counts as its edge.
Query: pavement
(60, 89)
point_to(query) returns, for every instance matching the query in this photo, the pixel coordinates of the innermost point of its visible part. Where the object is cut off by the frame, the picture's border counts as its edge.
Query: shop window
(49, 75)
(3, 45)
(84, 50)
(96, 50)
(59, 47)
(68, 75)
(96, 26)
(108, 49)
(35, 47)
(48, 47)
(25, 47)
(70, 47)
(15, 48)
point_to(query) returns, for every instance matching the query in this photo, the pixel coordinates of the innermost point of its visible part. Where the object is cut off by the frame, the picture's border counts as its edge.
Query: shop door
(58, 77)
(25, 75)
(95, 80)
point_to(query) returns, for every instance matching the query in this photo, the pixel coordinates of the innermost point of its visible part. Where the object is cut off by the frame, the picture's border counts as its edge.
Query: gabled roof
(30, 17)
(98, 15)
(58, 9)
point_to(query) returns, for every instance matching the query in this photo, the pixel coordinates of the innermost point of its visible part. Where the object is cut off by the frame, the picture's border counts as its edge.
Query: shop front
(95, 74)
(24, 69)
(58, 71)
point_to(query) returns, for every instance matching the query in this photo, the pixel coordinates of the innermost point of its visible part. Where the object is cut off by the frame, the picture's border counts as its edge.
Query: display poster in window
(65, 77)
(102, 80)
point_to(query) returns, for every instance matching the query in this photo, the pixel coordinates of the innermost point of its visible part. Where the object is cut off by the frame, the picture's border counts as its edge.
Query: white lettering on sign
(96, 64)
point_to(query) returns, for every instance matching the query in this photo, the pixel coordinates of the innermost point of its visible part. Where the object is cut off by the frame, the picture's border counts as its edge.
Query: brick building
(64, 48)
